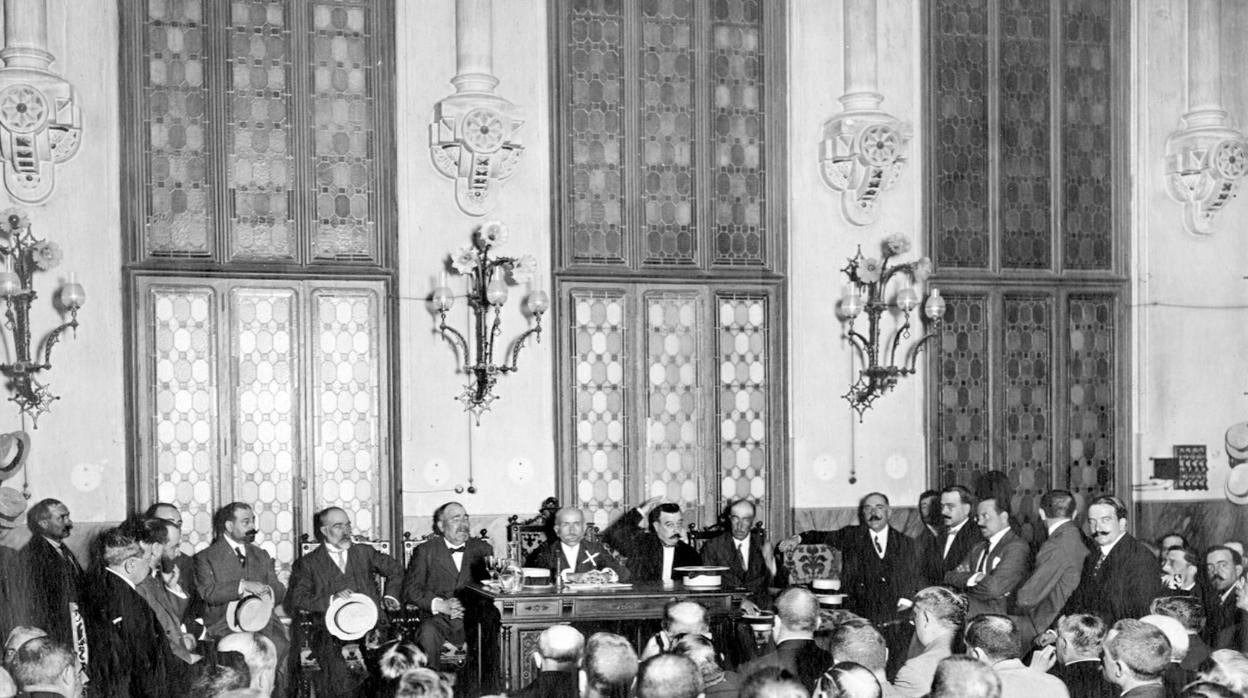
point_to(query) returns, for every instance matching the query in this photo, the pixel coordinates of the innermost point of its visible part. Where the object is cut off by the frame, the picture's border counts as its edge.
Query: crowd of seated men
(966, 608)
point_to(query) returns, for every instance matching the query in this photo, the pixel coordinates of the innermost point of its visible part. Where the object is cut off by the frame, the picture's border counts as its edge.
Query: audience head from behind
(215, 680)
(1107, 520)
(992, 515)
(740, 517)
(18, 637)
(423, 683)
(963, 676)
(166, 512)
(608, 668)
(451, 521)
(1057, 505)
(858, 642)
(668, 523)
(1175, 633)
(1228, 668)
(559, 648)
(683, 617)
(1079, 637)
(1207, 689)
(992, 638)
(939, 614)
(124, 556)
(1187, 610)
(956, 505)
(1134, 653)
(236, 521)
(929, 509)
(1223, 566)
(797, 615)
(874, 511)
(50, 519)
(45, 665)
(772, 682)
(668, 676)
(570, 526)
(258, 652)
(333, 527)
(847, 680)
(699, 650)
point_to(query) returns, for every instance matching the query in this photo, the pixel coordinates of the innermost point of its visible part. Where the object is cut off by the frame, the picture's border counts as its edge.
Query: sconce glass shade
(935, 309)
(907, 299)
(496, 292)
(851, 304)
(73, 296)
(9, 283)
(443, 299)
(538, 302)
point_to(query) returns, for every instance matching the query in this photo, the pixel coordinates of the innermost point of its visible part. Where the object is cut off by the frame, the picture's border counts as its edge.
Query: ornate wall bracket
(40, 121)
(862, 154)
(473, 138)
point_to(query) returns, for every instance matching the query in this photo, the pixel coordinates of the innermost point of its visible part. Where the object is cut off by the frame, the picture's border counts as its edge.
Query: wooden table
(635, 613)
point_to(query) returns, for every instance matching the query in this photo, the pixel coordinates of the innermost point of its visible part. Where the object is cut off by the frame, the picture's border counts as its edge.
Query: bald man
(558, 657)
(679, 618)
(797, 618)
(571, 551)
(669, 676)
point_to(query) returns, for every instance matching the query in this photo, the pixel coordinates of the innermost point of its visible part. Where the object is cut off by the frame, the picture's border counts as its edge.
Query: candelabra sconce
(869, 278)
(489, 278)
(24, 254)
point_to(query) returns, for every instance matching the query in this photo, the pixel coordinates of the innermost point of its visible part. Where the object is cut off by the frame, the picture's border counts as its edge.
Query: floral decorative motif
(23, 109)
(493, 234)
(46, 255)
(896, 244)
(13, 220)
(464, 259)
(869, 270)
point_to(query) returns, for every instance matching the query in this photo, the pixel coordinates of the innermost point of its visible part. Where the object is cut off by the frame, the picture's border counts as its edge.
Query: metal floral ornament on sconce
(488, 280)
(869, 277)
(24, 254)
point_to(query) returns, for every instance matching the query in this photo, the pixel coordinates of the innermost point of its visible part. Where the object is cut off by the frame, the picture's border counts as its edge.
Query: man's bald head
(683, 617)
(669, 676)
(560, 647)
(797, 610)
(961, 676)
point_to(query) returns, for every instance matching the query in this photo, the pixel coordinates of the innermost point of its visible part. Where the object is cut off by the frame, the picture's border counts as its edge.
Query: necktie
(70, 560)
(983, 560)
(242, 557)
(340, 557)
(879, 549)
(741, 555)
(1100, 560)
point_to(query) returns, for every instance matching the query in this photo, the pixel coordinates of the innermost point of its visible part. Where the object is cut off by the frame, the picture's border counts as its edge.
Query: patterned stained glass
(260, 166)
(1088, 145)
(595, 132)
(1092, 379)
(183, 399)
(674, 459)
(666, 139)
(264, 392)
(962, 428)
(344, 135)
(1024, 130)
(1026, 368)
(738, 120)
(598, 359)
(175, 131)
(743, 387)
(960, 110)
(346, 419)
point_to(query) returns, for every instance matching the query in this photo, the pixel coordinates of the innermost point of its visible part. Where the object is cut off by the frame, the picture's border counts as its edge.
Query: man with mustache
(51, 578)
(956, 505)
(878, 569)
(994, 567)
(439, 571)
(1223, 566)
(232, 568)
(654, 553)
(1121, 575)
(1181, 567)
(570, 551)
(748, 557)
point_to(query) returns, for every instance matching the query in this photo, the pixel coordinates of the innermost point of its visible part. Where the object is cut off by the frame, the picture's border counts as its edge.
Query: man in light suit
(1120, 576)
(1059, 563)
(994, 567)
(192, 616)
(652, 554)
(338, 569)
(440, 569)
(570, 545)
(233, 568)
(162, 589)
(749, 560)
(960, 534)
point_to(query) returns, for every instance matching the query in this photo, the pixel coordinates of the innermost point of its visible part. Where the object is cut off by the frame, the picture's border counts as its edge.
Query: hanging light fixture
(24, 254)
(868, 283)
(488, 281)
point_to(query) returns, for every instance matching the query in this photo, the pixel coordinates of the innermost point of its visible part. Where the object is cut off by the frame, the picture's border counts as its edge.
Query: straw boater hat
(250, 613)
(14, 449)
(351, 617)
(1237, 484)
(1237, 441)
(12, 505)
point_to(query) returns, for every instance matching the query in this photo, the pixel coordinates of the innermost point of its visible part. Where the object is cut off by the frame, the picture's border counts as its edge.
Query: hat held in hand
(14, 449)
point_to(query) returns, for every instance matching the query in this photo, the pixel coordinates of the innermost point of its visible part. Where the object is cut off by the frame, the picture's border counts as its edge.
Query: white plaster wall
(1191, 296)
(887, 447)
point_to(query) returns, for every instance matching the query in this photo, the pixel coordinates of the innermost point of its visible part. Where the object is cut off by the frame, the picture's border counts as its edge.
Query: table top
(645, 589)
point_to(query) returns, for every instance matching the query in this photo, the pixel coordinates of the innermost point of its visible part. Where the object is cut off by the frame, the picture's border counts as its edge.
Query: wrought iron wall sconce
(488, 281)
(24, 254)
(869, 278)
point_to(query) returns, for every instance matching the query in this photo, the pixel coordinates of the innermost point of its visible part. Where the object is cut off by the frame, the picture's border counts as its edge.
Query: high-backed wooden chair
(526, 536)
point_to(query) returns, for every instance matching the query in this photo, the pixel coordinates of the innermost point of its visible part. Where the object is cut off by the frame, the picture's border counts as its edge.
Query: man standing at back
(1121, 576)
(960, 533)
(995, 566)
(51, 578)
(1058, 566)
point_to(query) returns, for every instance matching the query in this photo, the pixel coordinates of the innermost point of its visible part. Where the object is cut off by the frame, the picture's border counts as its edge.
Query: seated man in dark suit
(440, 569)
(338, 569)
(797, 618)
(749, 558)
(652, 554)
(570, 550)
(558, 657)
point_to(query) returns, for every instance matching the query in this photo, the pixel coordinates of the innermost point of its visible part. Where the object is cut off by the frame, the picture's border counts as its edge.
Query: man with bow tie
(440, 569)
(338, 569)
(570, 551)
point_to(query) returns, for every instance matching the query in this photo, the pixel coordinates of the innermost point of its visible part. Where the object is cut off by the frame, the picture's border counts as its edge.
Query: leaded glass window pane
(675, 405)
